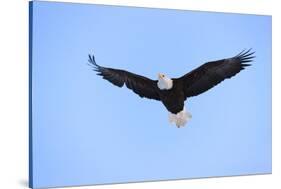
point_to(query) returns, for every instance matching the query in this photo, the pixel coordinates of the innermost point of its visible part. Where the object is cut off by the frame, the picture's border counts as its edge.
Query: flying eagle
(172, 92)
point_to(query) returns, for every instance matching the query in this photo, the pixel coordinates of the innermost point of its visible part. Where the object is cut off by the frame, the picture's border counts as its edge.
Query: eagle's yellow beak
(160, 76)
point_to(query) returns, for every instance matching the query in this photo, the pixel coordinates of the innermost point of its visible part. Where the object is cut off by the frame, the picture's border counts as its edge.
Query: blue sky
(87, 131)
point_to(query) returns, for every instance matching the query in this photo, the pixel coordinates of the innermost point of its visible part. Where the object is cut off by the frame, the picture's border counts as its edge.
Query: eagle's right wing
(142, 86)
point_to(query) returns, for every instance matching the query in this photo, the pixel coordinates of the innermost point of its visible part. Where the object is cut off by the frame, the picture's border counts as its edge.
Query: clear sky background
(87, 131)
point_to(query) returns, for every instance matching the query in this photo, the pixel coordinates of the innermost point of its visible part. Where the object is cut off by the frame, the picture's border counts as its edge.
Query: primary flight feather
(172, 92)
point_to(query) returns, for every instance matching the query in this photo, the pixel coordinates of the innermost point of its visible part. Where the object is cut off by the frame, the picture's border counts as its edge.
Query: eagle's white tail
(180, 119)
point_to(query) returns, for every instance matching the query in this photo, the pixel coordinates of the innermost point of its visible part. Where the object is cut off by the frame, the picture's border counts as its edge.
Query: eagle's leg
(180, 119)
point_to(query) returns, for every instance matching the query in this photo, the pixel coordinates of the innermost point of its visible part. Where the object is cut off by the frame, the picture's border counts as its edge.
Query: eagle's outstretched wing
(142, 86)
(212, 73)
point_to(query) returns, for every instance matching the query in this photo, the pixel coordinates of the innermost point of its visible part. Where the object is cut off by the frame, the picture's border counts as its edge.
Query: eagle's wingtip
(91, 58)
(245, 52)
(245, 57)
(246, 65)
(92, 61)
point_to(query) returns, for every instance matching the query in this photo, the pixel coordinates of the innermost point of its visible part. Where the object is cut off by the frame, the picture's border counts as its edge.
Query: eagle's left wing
(141, 85)
(210, 74)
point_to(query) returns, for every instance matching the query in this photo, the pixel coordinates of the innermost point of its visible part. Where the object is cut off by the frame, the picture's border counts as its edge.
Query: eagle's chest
(173, 99)
(168, 94)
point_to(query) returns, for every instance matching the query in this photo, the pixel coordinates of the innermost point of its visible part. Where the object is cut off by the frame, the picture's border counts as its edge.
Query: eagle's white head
(164, 82)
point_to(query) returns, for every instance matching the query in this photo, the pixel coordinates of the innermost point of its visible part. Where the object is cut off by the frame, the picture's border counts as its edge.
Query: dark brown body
(173, 99)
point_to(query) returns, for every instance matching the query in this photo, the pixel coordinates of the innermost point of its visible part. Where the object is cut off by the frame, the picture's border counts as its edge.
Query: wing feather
(212, 73)
(141, 85)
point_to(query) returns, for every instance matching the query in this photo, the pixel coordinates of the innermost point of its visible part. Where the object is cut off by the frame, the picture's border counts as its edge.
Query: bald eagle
(172, 92)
